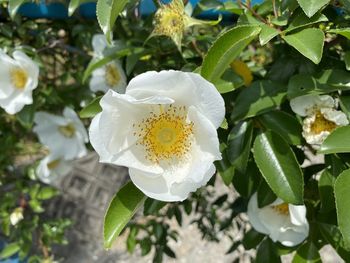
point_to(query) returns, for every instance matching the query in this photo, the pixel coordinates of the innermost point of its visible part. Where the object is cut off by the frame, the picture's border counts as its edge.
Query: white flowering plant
(256, 102)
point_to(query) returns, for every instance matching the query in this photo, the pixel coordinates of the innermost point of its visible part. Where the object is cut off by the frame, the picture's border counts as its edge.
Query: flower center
(112, 75)
(19, 78)
(322, 124)
(53, 164)
(169, 20)
(166, 135)
(67, 130)
(282, 209)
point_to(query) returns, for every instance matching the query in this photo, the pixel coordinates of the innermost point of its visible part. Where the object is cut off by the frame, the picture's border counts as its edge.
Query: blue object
(88, 10)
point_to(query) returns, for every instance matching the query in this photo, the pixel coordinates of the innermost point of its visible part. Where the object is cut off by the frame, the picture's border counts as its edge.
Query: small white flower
(63, 135)
(321, 116)
(282, 222)
(52, 168)
(164, 129)
(18, 78)
(16, 216)
(109, 76)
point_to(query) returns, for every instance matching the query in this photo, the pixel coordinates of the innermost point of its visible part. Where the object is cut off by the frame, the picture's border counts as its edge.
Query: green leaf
(146, 246)
(337, 142)
(26, 116)
(342, 200)
(225, 49)
(152, 206)
(310, 7)
(284, 124)
(265, 195)
(325, 82)
(341, 31)
(95, 64)
(345, 105)
(225, 169)
(325, 188)
(91, 109)
(267, 33)
(301, 20)
(347, 60)
(121, 209)
(267, 252)
(246, 183)
(107, 12)
(47, 193)
(239, 144)
(252, 239)
(309, 42)
(260, 97)
(278, 165)
(9, 250)
(13, 7)
(73, 5)
(307, 253)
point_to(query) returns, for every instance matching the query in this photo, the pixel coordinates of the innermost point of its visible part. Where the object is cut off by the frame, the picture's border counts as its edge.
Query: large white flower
(321, 116)
(52, 168)
(164, 129)
(18, 78)
(63, 135)
(109, 76)
(282, 222)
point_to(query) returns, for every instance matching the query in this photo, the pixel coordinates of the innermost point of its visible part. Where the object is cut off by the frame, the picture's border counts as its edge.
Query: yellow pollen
(53, 164)
(112, 75)
(67, 130)
(282, 208)
(166, 135)
(19, 78)
(322, 124)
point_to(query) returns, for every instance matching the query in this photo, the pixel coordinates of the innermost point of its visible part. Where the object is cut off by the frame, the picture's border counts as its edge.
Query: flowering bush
(250, 99)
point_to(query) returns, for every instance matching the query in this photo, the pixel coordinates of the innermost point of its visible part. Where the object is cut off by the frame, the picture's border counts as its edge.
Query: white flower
(16, 216)
(164, 129)
(63, 135)
(52, 168)
(321, 116)
(18, 78)
(109, 76)
(282, 222)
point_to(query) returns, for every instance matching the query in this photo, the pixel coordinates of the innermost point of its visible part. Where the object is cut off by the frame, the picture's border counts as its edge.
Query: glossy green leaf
(325, 82)
(91, 109)
(345, 105)
(26, 116)
(260, 97)
(284, 124)
(121, 209)
(73, 5)
(239, 144)
(325, 189)
(337, 142)
(107, 12)
(278, 165)
(310, 7)
(341, 31)
(342, 200)
(225, 49)
(9, 250)
(307, 253)
(300, 20)
(309, 42)
(267, 252)
(13, 7)
(225, 169)
(347, 60)
(252, 239)
(267, 33)
(265, 195)
(246, 183)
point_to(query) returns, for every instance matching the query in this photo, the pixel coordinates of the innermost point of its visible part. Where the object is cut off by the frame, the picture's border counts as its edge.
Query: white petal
(78, 125)
(292, 238)
(6, 63)
(99, 43)
(188, 89)
(16, 101)
(98, 83)
(338, 117)
(30, 67)
(253, 214)
(298, 214)
(308, 104)
(121, 85)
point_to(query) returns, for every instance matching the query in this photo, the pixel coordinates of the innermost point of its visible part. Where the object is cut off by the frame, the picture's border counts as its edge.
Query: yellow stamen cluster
(112, 75)
(67, 130)
(19, 78)
(322, 124)
(166, 135)
(282, 209)
(53, 164)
